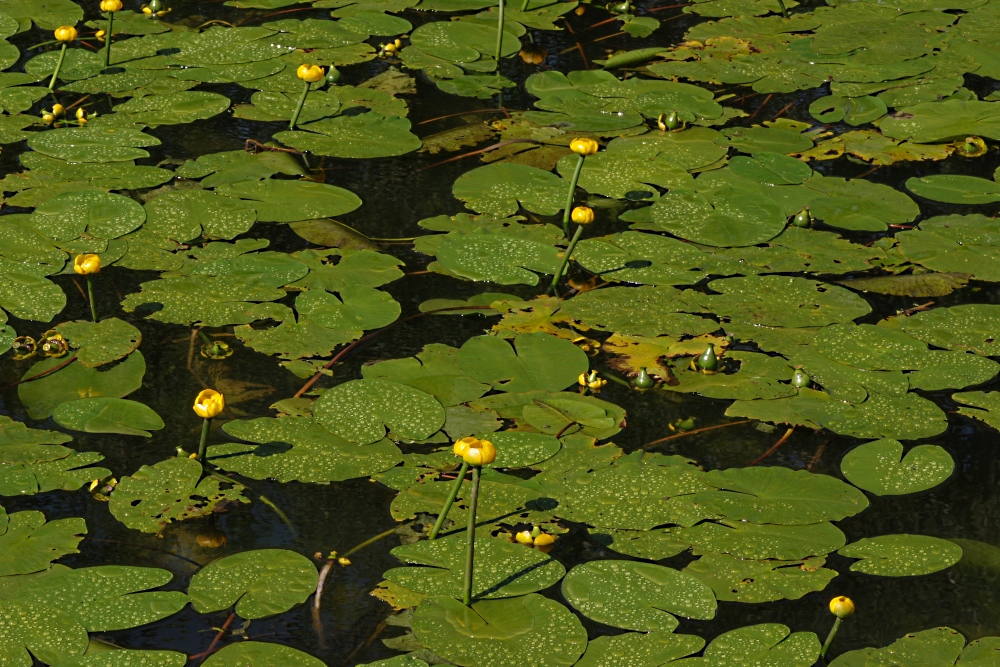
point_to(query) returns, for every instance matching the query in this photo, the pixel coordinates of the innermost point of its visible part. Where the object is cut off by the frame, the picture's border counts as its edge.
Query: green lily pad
(779, 495)
(902, 555)
(107, 415)
(296, 448)
(260, 583)
(499, 189)
(648, 544)
(260, 654)
(25, 294)
(126, 657)
(758, 376)
(955, 189)
(725, 217)
(367, 135)
(186, 214)
(767, 140)
(29, 543)
(558, 412)
(291, 201)
(954, 243)
(100, 214)
(880, 467)
(516, 449)
(217, 169)
(754, 581)
(968, 327)
(918, 284)
(498, 633)
(46, 14)
(92, 144)
(763, 542)
(908, 417)
(67, 474)
(503, 568)
(937, 646)
(616, 174)
(45, 394)
(101, 342)
(536, 361)
(35, 630)
(436, 371)
(635, 649)
(360, 410)
(764, 644)
(944, 120)
(358, 308)
(171, 490)
(986, 406)
(497, 258)
(859, 205)
(648, 259)
(102, 598)
(637, 311)
(637, 596)
(20, 444)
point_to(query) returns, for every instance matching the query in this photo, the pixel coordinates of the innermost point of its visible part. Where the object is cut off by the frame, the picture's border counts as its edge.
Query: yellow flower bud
(582, 380)
(544, 540)
(477, 452)
(209, 403)
(87, 265)
(81, 114)
(398, 43)
(58, 110)
(99, 35)
(841, 607)
(146, 10)
(310, 73)
(389, 48)
(66, 33)
(344, 562)
(111, 5)
(48, 119)
(524, 537)
(582, 215)
(583, 146)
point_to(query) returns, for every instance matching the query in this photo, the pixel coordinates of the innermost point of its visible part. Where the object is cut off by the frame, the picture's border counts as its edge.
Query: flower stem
(572, 193)
(202, 446)
(499, 35)
(450, 501)
(829, 637)
(566, 258)
(298, 108)
(55, 73)
(90, 297)
(784, 12)
(107, 39)
(524, 8)
(470, 549)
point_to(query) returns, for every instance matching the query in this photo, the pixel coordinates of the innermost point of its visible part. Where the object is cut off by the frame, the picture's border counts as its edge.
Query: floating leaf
(969, 327)
(260, 583)
(75, 381)
(937, 646)
(29, 543)
(107, 415)
(908, 417)
(764, 644)
(33, 630)
(536, 361)
(100, 214)
(902, 555)
(20, 444)
(880, 467)
(290, 201)
(986, 404)
(172, 490)
(955, 189)
(763, 542)
(529, 629)
(101, 342)
(637, 649)
(260, 654)
(360, 411)
(185, 214)
(66, 473)
(126, 658)
(499, 189)
(298, 449)
(92, 144)
(637, 596)
(917, 284)
(637, 311)
(754, 581)
(503, 568)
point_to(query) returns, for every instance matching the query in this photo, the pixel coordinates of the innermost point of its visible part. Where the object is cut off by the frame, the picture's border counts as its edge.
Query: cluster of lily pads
(724, 238)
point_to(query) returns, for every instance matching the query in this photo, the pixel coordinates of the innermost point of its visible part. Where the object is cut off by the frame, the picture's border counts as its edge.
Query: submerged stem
(298, 107)
(470, 548)
(90, 298)
(450, 501)
(55, 72)
(566, 258)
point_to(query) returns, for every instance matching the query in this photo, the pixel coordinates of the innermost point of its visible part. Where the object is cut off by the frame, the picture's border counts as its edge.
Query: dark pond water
(397, 194)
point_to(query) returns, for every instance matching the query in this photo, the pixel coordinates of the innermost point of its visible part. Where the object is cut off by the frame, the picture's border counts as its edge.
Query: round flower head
(66, 33)
(582, 215)
(583, 146)
(86, 265)
(209, 403)
(111, 5)
(310, 73)
(841, 607)
(524, 537)
(476, 452)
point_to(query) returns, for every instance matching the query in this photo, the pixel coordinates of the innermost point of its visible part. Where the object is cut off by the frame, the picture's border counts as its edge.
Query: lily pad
(503, 568)
(34, 630)
(637, 596)
(765, 644)
(880, 467)
(45, 394)
(172, 490)
(67, 473)
(360, 410)
(260, 583)
(291, 201)
(20, 444)
(100, 214)
(101, 342)
(763, 542)
(29, 543)
(499, 633)
(536, 361)
(908, 417)
(92, 144)
(754, 581)
(499, 189)
(107, 415)
(635, 649)
(902, 555)
(637, 311)
(986, 406)
(955, 189)
(936, 646)
(779, 495)
(185, 214)
(968, 327)
(298, 449)
(260, 654)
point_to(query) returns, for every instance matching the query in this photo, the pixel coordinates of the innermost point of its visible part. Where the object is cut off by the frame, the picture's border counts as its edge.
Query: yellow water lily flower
(591, 380)
(310, 73)
(209, 403)
(524, 537)
(111, 5)
(100, 35)
(58, 110)
(87, 265)
(582, 215)
(475, 452)
(66, 33)
(544, 540)
(583, 146)
(841, 607)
